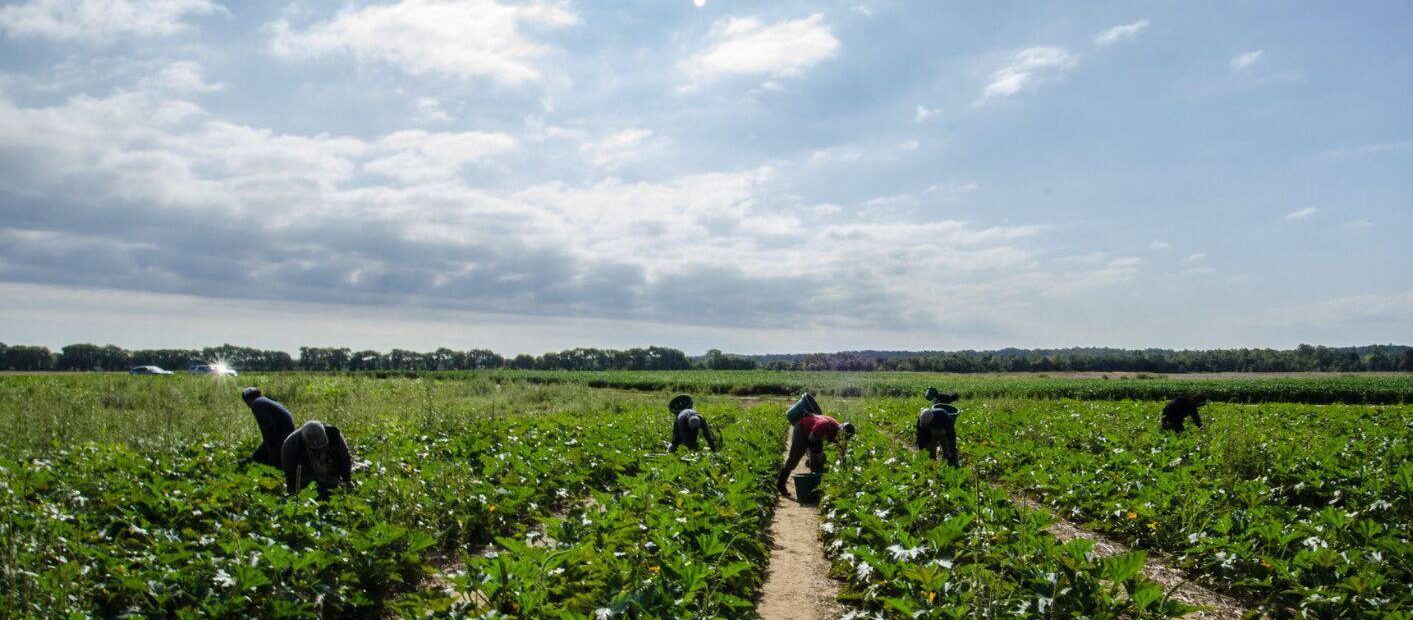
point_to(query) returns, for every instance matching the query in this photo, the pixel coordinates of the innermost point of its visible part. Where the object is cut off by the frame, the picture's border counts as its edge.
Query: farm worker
(937, 425)
(802, 408)
(685, 430)
(275, 424)
(316, 453)
(1180, 408)
(809, 434)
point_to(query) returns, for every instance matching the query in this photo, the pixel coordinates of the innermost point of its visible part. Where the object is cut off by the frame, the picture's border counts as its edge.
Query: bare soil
(797, 583)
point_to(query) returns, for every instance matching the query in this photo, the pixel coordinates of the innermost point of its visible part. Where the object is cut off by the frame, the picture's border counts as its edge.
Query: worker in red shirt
(809, 435)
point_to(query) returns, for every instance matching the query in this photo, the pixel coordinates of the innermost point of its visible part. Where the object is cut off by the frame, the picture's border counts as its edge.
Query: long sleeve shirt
(682, 432)
(275, 424)
(328, 467)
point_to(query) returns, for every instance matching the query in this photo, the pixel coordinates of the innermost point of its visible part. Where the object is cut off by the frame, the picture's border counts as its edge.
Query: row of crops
(484, 496)
(163, 528)
(914, 539)
(1352, 388)
(1298, 509)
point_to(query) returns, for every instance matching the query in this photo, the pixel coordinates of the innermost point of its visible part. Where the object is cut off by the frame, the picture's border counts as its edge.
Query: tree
(93, 357)
(366, 360)
(716, 360)
(19, 357)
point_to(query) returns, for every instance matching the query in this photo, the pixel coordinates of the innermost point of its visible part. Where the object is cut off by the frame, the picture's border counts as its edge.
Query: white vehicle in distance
(218, 369)
(148, 370)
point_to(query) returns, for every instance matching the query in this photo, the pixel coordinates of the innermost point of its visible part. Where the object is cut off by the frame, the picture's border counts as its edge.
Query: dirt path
(1216, 606)
(797, 583)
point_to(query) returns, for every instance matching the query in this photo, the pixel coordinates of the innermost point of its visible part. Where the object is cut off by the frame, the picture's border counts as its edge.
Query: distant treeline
(84, 357)
(1305, 358)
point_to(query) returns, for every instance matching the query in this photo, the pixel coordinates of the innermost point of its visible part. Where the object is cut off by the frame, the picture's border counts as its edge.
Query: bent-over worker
(275, 424)
(317, 453)
(1179, 409)
(937, 426)
(809, 435)
(686, 429)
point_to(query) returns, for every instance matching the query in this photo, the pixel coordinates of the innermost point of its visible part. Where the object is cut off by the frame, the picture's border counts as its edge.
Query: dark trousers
(946, 438)
(800, 443)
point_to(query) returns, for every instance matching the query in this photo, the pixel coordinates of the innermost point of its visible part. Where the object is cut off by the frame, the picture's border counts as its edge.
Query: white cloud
(909, 145)
(1194, 257)
(745, 46)
(537, 130)
(951, 188)
(1358, 224)
(100, 20)
(1028, 68)
(183, 77)
(617, 149)
(211, 207)
(469, 38)
(924, 113)
(1300, 214)
(1120, 33)
(429, 110)
(1243, 61)
(413, 156)
(699, 3)
(1159, 245)
(834, 155)
(941, 191)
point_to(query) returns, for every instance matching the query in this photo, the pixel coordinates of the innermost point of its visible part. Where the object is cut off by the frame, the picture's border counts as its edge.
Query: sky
(752, 176)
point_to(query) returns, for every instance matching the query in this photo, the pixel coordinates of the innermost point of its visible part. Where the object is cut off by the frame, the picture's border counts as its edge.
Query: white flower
(1194, 537)
(603, 613)
(827, 526)
(1314, 543)
(222, 579)
(863, 570)
(881, 513)
(901, 554)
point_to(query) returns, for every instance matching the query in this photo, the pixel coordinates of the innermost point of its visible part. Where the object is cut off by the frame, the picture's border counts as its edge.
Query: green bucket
(803, 407)
(807, 488)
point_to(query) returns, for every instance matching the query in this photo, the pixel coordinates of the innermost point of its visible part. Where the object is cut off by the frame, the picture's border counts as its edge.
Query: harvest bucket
(807, 488)
(801, 408)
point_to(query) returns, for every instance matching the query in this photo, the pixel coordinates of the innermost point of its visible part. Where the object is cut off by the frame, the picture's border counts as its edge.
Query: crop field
(1315, 388)
(549, 495)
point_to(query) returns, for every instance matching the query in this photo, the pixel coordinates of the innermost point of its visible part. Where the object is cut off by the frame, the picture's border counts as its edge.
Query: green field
(529, 494)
